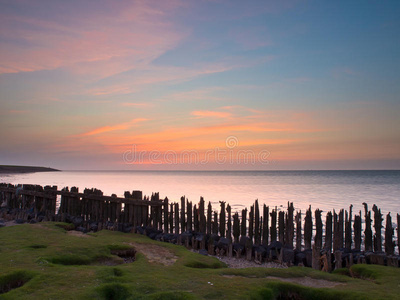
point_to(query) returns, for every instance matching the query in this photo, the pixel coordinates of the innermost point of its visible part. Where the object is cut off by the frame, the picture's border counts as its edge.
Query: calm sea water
(325, 190)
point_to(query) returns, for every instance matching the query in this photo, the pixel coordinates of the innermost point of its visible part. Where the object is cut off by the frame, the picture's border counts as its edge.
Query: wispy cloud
(121, 126)
(134, 35)
(136, 104)
(210, 113)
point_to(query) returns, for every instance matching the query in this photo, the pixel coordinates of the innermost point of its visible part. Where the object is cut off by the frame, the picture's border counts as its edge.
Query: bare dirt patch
(305, 281)
(235, 263)
(10, 223)
(78, 233)
(156, 254)
(308, 281)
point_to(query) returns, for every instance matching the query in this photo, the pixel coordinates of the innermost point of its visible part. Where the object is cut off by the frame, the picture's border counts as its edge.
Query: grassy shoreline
(25, 169)
(50, 262)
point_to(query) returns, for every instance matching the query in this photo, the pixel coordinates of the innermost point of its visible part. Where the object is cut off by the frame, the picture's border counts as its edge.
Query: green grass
(53, 264)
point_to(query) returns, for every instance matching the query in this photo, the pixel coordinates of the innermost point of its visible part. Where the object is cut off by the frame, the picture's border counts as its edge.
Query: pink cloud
(121, 126)
(209, 113)
(114, 45)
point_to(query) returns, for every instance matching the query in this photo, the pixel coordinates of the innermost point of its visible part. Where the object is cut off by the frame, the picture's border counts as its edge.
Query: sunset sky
(264, 85)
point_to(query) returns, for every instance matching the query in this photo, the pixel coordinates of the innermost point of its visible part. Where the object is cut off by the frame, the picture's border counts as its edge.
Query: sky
(200, 85)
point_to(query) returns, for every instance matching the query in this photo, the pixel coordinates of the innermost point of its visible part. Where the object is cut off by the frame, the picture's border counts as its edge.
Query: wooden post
(171, 218)
(389, 232)
(316, 256)
(209, 218)
(215, 223)
(196, 222)
(166, 221)
(243, 231)
(183, 221)
(368, 230)
(189, 216)
(222, 219)
(236, 227)
(298, 230)
(308, 229)
(348, 232)
(265, 230)
(318, 230)
(398, 233)
(335, 232)
(289, 231)
(328, 232)
(338, 259)
(229, 231)
(257, 237)
(357, 232)
(176, 213)
(341, 228)
(273, 225)
(378, 229)
(251, 223)
(202, 216)
(281, 226)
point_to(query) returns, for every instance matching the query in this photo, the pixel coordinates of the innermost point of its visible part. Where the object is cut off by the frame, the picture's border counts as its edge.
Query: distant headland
(24, 169)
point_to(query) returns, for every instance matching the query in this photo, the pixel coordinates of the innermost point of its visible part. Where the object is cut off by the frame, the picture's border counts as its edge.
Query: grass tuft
(172, 295)
(14, 280)
(363, 272)
(204, 265)
(114, 291)
(66, 226)
(37, 246)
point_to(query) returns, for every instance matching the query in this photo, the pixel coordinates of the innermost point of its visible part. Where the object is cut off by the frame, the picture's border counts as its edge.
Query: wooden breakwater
(258, 233)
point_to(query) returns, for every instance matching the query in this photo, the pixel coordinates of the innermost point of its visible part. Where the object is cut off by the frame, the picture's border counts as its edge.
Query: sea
(326, 190)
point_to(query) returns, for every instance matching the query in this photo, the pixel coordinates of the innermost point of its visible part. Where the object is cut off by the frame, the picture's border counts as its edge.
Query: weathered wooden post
(257, 237)
(389, 232)
(202, 218)
(368, 230)
(378, 229)
(308, 229)
(328, 232)
(209, 218)
(341, 228)
(281, 226)
(236, 227)
(316, 256)
(196, 221)
(243, 231)
(338, 230)
(171, 218)
(166, 215)
(318, 230)
(357, 232)
(229, 231)
(338, 259)
(176, 213)
(298, 230)
(215, 224)
(189, 216)
(265, 225)
(273, 225)
(222, 219)
(183, 221)
(251, 223)
(398, 233)
(348, 232)
(289, 226)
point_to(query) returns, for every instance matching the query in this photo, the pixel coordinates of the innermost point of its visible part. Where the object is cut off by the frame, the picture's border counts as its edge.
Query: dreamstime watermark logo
(230, 154)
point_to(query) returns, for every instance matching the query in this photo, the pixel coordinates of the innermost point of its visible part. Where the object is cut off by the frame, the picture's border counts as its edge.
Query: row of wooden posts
(262, 226)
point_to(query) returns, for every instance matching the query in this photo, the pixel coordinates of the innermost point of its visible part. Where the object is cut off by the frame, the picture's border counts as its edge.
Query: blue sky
(314, 83)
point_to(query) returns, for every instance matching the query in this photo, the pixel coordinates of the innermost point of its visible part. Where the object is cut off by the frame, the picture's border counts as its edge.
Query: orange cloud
(121, 126)
(210, 113)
